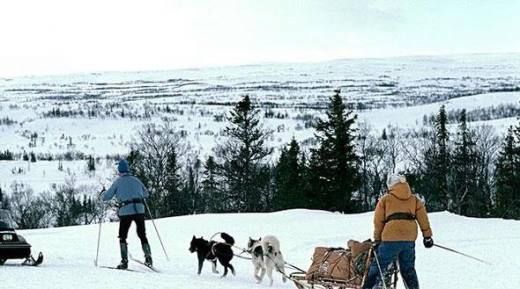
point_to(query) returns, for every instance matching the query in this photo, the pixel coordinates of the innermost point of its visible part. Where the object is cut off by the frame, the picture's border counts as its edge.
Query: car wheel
(2, 261)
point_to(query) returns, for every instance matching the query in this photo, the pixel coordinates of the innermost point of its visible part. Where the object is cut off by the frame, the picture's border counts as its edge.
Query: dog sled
(335, 268)
(342, 268)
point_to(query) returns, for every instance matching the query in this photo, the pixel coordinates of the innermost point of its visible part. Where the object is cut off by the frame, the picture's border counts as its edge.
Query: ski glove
(428, 242)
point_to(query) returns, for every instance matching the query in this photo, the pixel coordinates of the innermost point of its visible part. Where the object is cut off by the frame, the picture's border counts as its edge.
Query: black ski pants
(124, 226)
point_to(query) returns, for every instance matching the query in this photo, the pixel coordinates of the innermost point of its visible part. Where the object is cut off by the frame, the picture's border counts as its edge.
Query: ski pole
(98, 241)
(157, 231)
(380, 270)
(99, 230)
(460, 253)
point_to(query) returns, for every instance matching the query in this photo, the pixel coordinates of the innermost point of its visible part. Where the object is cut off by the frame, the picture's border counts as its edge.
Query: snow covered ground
(43, 175)
(70, 251)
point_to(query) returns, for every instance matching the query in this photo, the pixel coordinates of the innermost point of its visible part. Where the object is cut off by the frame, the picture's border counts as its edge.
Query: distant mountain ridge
(366, 83)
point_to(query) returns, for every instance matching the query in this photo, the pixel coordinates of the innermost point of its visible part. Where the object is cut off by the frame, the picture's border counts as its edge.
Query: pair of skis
(151, 268)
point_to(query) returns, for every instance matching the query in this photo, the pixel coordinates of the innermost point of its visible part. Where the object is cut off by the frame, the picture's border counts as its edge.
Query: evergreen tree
(316, 185)
(242, 158)
(288, 179)
(6, 156)
(33, 157)
(508, 176)
(191, 189)
(173, 199)
(3, 200)
(442, 161)
(211, 188)
(91, 164)
(432, 179)
(464, 196)
(334, 163)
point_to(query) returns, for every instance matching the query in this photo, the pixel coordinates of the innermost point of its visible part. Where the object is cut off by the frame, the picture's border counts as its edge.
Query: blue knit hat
(122, 167)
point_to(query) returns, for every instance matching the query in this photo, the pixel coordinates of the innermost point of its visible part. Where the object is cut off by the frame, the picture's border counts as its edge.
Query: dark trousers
(124, 226)
(387, 252)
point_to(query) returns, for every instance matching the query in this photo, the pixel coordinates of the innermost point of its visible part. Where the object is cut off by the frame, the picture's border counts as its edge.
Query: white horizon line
(259, 63)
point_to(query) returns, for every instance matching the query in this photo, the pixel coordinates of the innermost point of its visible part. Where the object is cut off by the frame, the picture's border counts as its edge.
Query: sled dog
(213, 251)
(266, 257)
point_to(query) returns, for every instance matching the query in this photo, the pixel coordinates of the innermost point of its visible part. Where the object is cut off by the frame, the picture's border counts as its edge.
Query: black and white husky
(266, 257)
(213, 251)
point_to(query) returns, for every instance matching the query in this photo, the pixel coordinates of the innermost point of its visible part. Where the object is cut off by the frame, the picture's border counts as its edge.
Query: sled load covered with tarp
(342, 268)
(12, 245)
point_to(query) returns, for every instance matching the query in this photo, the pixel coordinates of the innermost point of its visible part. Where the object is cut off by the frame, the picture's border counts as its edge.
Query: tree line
(63, 205)
(465, 169)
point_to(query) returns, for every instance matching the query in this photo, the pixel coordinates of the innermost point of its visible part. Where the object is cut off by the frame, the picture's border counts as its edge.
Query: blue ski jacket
(130, 192)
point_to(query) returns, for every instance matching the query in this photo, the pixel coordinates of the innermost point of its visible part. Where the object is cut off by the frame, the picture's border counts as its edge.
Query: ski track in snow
(70, 251)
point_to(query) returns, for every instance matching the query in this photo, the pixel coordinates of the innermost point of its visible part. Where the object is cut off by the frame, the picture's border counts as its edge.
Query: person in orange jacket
(395, 230)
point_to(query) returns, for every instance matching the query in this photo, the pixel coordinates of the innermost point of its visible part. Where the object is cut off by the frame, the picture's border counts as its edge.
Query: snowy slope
(70, 251)
(411, 117)
(43, 175)
(94, 137)
(198, 96)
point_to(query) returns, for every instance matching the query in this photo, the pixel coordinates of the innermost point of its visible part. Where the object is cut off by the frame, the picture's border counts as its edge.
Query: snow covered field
(43, 175)
(116, 105)
(70, 251)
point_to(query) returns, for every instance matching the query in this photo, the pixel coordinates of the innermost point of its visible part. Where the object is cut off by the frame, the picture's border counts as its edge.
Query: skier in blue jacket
(130, 192)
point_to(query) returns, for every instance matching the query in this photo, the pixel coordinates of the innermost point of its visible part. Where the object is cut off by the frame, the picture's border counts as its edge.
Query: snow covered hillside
(70, 251)
(99, 113)
(62, 120)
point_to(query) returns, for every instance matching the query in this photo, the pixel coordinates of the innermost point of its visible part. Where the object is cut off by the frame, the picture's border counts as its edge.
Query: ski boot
(123, 265)
(123, 247)
(147, 255)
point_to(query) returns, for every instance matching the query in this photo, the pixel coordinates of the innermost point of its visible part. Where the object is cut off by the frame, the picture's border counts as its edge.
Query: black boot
(147, 255)
(123, 247)
(123, 264)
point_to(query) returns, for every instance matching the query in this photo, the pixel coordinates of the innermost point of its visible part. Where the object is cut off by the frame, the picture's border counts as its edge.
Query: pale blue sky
(65, 36)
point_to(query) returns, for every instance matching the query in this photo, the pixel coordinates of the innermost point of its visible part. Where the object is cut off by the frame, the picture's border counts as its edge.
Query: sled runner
(14, 246)
(340, 268)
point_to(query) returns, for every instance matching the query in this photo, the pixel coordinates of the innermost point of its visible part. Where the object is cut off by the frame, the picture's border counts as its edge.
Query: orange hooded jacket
(399, 199)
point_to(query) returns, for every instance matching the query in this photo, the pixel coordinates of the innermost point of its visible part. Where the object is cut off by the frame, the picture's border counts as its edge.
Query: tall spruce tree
(442, 161)
(242, 159)
(464, 197)
(508, 176)
(433, 180)
(174, 200)
(211, 191)
(334, 163)
(289, 184)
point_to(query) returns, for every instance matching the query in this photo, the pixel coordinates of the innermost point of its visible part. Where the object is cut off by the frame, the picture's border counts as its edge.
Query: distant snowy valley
(62, 120)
